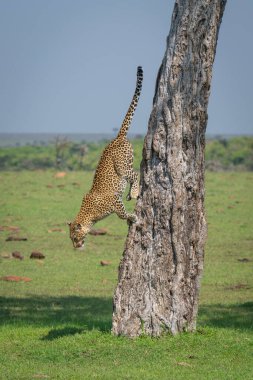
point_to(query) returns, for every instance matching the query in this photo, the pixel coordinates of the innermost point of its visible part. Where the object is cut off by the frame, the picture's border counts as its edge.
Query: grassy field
(57, 326)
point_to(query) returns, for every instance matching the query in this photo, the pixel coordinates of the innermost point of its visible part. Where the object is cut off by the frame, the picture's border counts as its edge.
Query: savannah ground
(57, 326)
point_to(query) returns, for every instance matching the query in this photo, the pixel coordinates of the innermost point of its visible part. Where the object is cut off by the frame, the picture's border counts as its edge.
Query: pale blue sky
(69, 65)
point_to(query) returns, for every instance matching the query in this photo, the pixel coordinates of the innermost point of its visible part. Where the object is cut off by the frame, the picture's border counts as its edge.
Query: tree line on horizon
(62, 154)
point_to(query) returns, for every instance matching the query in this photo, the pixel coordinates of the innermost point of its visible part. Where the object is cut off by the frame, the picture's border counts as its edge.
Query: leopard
(113, 173)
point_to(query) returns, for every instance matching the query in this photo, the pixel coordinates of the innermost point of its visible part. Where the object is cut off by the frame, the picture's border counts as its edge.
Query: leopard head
(77, 233)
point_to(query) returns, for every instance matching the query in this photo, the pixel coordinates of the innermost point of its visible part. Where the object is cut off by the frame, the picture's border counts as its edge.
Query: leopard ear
(68, 223)
(78, 226)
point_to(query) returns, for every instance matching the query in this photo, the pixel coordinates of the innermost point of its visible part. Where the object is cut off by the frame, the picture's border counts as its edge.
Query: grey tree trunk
(159, 275)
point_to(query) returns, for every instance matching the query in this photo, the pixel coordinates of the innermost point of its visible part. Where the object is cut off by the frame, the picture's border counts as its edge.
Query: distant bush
(230, 154)
(221, 154)
(60, 155)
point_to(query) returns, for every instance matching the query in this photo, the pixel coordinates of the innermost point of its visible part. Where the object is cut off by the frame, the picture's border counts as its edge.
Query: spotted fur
(114, 171)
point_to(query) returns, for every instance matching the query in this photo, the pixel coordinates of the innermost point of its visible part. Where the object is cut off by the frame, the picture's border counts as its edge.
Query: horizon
(9, 139)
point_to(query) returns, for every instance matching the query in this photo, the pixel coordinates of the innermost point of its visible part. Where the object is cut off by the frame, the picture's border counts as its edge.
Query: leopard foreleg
(120, 210)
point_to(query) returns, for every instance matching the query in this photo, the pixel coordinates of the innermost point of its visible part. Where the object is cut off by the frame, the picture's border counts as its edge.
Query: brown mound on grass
(237, 287)
(104, 263)
(97, 232)
(244, 260)
(9, 228)
(37, 255)
(16, 278)
(5, 256)
(15, 238)
(60, 175)
(56, 230)
(17, 255)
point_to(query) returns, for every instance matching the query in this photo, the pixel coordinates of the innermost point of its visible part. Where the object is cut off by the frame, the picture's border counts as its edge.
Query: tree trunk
(159, 275)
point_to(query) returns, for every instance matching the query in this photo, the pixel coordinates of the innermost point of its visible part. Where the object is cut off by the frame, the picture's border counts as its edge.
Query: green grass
(58, 325)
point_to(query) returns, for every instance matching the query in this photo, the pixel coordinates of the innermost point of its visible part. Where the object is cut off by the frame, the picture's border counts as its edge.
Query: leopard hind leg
(134, 186)
(124, 169)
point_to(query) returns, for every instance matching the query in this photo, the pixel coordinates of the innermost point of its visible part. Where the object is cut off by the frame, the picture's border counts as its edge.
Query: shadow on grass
(72, 315)
(239, 316)
(59, 333)
(81, 313)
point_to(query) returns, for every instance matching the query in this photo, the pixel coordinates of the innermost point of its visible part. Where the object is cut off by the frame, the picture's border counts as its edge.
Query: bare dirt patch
(16, 278)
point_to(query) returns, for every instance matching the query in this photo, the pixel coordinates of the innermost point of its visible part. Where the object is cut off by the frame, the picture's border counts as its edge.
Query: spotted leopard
(114, 171)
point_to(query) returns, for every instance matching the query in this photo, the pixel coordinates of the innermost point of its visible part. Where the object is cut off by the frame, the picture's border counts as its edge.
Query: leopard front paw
(132, 218)
(134, 192)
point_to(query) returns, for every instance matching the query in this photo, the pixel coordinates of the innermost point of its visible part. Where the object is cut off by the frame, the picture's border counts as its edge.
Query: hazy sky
(70, 65)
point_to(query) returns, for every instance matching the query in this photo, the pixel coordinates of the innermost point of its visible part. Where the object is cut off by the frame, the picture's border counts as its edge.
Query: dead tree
(159, 275)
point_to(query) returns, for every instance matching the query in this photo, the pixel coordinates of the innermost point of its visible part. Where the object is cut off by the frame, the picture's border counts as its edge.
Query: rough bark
(159, 275)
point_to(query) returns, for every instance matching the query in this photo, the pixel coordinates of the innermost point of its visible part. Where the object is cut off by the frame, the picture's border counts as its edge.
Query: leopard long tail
(129, 115)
